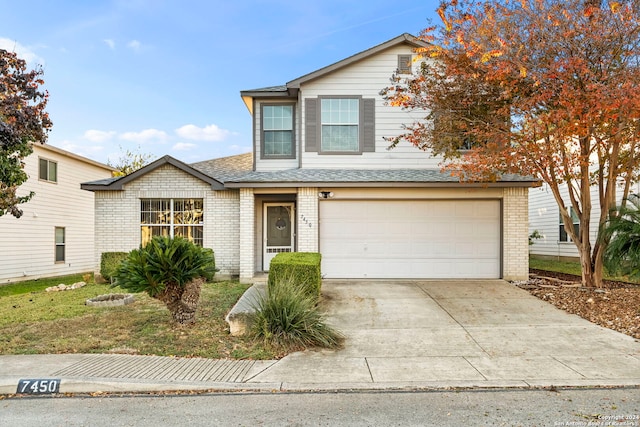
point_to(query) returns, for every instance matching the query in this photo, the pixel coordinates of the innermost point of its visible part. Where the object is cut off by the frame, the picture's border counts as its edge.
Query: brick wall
(516, 228)
(307, 220)
(247, 235)
(117, 215)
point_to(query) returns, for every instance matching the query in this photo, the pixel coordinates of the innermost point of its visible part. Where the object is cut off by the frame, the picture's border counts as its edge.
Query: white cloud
(207, 133)
(22, 51)
(145, 136)
(89, 151)
(111, 43)
(239, 149)
(184, 146)
(134, 45)
(98, 135)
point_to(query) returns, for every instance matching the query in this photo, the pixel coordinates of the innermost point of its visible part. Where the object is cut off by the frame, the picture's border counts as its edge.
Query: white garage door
(410, 239)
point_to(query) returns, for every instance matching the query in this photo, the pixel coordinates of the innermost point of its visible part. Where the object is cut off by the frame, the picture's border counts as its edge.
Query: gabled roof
(291, 89)
(401, 39)
(117, 183)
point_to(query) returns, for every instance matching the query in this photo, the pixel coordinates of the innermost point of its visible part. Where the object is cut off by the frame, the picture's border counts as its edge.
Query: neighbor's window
(172, 217)
(277, 131)
(48, 170)
(564, 237)
(339, 118)
(60, 244)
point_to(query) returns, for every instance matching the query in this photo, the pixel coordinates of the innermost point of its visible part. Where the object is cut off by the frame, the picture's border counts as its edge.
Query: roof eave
(499, 184)
(249, 95)
(118, 185)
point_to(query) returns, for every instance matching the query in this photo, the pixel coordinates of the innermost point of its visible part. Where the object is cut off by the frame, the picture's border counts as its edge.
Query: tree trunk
(598, 266)
(591, 267)
(182, 301)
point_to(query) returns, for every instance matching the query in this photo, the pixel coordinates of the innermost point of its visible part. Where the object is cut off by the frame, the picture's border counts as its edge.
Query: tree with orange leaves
(23, 122)
(548, 88)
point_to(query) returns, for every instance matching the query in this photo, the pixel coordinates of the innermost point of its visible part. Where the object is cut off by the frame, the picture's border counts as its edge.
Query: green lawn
(38, 285)
(33, 321)
(569, 267)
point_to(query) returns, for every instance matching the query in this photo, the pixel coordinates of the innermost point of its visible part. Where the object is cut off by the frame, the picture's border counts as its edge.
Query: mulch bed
(615, 306)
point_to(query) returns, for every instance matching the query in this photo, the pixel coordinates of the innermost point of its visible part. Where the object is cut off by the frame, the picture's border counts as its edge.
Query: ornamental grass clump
(171, 270)
(288, 318)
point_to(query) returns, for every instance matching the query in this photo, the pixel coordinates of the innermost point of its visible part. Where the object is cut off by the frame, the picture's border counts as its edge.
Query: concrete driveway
(456, 333)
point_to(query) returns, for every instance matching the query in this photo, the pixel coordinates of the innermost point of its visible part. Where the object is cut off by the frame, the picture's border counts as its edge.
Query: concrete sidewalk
(426, 334)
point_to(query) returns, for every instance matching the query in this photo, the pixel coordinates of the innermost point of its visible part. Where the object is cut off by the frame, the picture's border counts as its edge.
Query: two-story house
(321, 178)
(55, 234)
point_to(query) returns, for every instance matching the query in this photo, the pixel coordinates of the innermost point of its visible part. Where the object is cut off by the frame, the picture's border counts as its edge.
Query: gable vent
(404, 64)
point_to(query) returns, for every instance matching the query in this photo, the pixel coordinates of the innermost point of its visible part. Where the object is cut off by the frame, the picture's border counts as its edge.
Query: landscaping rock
(110, 300)
(63, 287)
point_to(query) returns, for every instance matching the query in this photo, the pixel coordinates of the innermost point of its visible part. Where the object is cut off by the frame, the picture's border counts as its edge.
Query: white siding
(118, 215)
(544, 216)
(27, 243)
(367, 78)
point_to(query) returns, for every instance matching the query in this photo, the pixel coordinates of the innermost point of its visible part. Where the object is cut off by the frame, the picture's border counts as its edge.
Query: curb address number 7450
(38, 386)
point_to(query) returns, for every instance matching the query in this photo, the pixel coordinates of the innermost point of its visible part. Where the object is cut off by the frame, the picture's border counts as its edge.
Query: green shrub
(171, 270)
(288, 318)
(109, 263)
(302, 268)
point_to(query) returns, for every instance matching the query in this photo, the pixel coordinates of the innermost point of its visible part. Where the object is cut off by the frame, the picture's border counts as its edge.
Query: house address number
(38, 386)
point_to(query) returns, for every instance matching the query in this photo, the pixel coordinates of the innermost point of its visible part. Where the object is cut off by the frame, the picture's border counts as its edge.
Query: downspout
(299, 130)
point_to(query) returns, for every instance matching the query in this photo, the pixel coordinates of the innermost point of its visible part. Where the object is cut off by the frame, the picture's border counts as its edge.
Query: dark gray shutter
(369, 125)
(311, 124)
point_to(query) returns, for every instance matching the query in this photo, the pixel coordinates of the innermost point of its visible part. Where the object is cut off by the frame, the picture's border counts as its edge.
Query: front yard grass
(33, 321)
(569, 267)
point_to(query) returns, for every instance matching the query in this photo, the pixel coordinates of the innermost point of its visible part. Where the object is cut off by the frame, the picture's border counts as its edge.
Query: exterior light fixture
(325, 194)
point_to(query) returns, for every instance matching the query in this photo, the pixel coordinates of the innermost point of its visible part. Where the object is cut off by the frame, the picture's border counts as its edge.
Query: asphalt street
(564, 407)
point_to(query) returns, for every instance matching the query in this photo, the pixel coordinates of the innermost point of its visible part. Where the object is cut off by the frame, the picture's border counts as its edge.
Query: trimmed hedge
(302, 268)
(109, 264)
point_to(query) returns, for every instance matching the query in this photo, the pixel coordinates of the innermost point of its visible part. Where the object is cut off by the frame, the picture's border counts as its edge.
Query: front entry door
(278, 230)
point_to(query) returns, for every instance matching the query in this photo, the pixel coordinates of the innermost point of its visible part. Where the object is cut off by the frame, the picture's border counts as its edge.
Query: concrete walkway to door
(455, 334)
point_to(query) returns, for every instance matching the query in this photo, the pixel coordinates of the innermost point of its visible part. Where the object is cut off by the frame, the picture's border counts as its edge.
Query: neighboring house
(55, 235)
(320, 178)
(544, 217)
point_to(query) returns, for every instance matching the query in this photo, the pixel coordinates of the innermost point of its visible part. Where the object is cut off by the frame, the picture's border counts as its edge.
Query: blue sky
(164, 77)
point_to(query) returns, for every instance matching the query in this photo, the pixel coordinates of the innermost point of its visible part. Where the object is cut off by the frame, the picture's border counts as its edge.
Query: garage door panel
(410, 239)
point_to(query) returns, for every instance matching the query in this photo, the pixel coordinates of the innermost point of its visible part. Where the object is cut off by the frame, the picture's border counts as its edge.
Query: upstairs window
(48, 170)
(172, 218)
(340, 118)
(277, 131)
(564, 237)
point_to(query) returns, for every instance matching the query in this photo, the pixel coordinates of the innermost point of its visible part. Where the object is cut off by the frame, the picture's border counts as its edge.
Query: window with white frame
(339, 119)
(60, 244)
(277, 131)
(48, 170)
(171, 218)
(564, 237)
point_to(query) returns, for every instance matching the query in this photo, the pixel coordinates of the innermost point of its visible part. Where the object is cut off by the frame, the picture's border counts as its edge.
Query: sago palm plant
(171, 270)
(622, 230)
